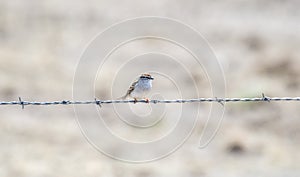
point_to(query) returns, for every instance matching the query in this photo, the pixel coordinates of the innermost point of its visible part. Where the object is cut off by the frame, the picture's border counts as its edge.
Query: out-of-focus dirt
(257, 43)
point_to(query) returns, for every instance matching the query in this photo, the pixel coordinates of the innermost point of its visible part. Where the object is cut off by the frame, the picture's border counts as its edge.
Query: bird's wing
(131, 88)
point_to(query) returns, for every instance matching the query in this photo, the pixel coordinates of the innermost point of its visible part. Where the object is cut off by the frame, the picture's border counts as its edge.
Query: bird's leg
(147, 100)
(135, 100)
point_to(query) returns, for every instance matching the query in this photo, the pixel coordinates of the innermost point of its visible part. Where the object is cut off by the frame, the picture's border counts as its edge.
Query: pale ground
(257, 43)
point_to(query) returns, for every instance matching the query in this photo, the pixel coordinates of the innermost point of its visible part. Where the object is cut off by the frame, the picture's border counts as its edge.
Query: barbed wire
(100, 102)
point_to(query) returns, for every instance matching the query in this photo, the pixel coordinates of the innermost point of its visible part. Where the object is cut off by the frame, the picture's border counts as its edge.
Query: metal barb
(65, 102)
(21, 103)
(265, 98)
(219, 100)
(98, 102)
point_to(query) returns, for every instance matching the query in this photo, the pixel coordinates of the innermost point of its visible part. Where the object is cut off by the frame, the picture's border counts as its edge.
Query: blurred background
(257, 43)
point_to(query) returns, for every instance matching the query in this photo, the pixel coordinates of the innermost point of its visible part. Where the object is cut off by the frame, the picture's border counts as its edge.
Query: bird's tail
(123, 97)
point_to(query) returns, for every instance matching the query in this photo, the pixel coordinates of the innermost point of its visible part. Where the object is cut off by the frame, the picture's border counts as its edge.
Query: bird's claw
(147, 100)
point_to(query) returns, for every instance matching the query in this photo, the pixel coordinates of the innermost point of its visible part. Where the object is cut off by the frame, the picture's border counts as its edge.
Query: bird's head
(146, 77)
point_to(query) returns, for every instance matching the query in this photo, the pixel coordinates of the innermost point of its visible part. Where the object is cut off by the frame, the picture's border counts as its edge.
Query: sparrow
(139, 88)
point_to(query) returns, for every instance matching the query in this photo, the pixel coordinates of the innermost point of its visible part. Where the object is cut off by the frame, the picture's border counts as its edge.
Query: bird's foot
(147, 100)
(135, 100)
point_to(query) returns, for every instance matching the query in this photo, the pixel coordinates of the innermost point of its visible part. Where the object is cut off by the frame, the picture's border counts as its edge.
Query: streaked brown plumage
(140, 87)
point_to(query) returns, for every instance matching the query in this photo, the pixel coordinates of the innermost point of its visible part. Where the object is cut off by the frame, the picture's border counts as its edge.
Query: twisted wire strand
(100, 102)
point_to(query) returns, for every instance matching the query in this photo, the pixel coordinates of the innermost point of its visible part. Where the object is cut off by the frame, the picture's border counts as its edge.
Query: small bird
(139, 88)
